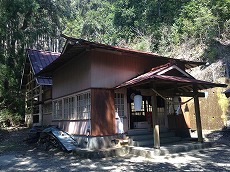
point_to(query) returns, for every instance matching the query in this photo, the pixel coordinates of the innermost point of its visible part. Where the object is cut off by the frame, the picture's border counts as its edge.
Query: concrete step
(169, 149)
(141, 151)
(144, 131)
(150, 136)
(141, 137)
(138, 132)
(164, 130)
(170, 140)
(150, 142)
(168, 134)
(144, 137)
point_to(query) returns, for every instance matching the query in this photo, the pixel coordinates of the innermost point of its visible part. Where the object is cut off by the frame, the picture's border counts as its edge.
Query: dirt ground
(17, 155)
(12, 139)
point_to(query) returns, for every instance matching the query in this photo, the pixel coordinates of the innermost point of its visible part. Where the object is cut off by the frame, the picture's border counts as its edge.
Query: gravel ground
(16, 155)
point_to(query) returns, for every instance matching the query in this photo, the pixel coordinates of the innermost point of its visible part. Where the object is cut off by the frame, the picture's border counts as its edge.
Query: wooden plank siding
(47, 93)
(111, 69)
(102, 112)
(77, 127)
(72, 77)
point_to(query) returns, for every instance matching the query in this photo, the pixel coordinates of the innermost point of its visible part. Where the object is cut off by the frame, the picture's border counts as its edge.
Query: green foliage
(220, 9)
(211, 53)
(197, 20)
(8, 118)
(24, 24)
(142, 43)
(150, 25)
(93, 21)
(225, 35)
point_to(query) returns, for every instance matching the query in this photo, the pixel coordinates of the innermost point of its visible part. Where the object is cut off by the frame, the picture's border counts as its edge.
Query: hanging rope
(171, 101)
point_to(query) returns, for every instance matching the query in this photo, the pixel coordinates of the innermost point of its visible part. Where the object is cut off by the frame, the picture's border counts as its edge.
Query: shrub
(8, 118)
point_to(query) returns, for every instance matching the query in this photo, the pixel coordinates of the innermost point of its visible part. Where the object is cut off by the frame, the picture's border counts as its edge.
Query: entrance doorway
(143, 118)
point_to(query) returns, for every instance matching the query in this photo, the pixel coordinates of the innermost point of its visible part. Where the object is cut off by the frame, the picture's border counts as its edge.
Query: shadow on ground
(31, 158)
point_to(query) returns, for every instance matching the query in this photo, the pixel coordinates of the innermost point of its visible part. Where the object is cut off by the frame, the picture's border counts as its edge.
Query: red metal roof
(38, 61)
(183, 83)
(82, 42)
(76, 47)
(104, 46)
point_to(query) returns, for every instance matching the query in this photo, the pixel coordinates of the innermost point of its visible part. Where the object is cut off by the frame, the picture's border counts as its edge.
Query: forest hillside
(196, 30)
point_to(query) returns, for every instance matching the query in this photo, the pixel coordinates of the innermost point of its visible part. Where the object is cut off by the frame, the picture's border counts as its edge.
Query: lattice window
(119, 104)
(83, 105)
(69, 108)
(141, 112)
(57, 108)
(47, 108)
(73, 108)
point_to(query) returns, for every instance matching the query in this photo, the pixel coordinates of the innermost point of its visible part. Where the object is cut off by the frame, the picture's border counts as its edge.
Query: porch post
(40, 106)
(197, 113)
(156, 131)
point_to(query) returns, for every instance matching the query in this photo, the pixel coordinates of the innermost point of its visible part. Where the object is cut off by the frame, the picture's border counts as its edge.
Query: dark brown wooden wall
(109, 70)
(102, 112)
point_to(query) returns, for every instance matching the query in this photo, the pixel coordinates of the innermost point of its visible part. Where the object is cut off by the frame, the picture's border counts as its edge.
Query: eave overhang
(165, 81)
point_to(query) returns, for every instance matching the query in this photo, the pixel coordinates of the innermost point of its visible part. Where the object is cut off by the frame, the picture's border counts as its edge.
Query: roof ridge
(114, 47)
(52, 52)
(161, 66)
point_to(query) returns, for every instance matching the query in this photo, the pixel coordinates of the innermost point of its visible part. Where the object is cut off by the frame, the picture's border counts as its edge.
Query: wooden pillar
(156, 130)
(40, 106)
(197, 113)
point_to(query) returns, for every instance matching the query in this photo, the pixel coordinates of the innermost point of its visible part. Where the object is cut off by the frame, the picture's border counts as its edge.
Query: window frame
(119, 104)
(55, 115)
(67, 107)
(82, 103)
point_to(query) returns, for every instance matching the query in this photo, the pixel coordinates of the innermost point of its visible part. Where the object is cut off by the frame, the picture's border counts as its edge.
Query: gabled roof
(168, 75)
(74, 48)
(38, 60)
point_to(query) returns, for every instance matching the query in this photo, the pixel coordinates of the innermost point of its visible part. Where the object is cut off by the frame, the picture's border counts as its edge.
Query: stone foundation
(96, 142)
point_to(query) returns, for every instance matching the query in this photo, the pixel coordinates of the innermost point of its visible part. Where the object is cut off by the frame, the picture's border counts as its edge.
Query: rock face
(215, 107)
(216, 54)
(210, 72)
